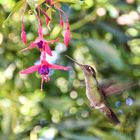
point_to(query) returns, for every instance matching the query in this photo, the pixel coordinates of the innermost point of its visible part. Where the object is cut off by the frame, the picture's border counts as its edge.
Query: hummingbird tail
(111, 115)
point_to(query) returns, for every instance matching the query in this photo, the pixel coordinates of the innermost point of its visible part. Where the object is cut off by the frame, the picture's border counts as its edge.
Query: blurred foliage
(105, 34)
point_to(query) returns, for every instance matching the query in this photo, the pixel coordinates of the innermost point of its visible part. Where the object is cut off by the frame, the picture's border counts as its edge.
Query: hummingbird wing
(116, 88)
(110, 114)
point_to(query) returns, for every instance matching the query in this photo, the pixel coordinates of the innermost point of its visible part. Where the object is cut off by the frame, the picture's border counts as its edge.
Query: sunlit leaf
(137, 133)
(16, 8)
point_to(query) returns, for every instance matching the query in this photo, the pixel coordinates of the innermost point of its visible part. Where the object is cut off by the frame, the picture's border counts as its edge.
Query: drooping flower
(61, 21)
(23, 34)
(67, 32)
(48, 19)
(43, 69)
(40, 42)
(67, 35)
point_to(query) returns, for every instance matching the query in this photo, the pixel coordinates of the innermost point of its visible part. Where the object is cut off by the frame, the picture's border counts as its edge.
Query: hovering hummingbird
(97, 94)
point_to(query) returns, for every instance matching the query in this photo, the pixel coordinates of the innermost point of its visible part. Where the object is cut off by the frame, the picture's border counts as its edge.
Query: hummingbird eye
(91, 70)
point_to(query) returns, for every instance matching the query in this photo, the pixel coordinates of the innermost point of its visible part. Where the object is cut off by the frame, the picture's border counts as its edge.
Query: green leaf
(32, 5)
(7, 122)
(106, 52)
(78, 136)
(16, 8)
(121, 136)
(101, 134)
(69, 1)
(137, 133)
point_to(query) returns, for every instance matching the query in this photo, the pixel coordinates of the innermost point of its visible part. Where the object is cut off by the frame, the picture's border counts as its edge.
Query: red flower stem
(39, 23)
(44, 13)
(60, 10)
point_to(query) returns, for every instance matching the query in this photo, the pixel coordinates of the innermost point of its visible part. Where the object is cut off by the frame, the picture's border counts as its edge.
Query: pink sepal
(67, 35)
(58, 67)
(47, 49)
(30, 70)
(23, 34)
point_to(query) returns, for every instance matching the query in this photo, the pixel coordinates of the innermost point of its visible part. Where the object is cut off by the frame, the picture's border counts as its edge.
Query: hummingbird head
(88, 70)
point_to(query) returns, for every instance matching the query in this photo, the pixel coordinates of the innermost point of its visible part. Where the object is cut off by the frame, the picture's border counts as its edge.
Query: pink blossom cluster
(43, 45)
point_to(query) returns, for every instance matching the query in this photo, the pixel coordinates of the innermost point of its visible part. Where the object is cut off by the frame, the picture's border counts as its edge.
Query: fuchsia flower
(43, 69)
(48, 19)
(40, 42)
(67, 35)
(23, 34)
(67, 32)
(61, 21)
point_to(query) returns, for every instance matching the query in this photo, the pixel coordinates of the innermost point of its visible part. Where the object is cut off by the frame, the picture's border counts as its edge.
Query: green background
(104, 34)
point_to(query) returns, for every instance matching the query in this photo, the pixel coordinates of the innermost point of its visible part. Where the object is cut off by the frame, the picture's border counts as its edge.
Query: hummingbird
(94, 92)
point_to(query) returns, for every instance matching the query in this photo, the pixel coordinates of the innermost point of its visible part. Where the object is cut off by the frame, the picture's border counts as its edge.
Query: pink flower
(43, 69)
(48, 19)
(61, 21)
(67, 32)
(23, 34)
(40, 42)
(67, 35)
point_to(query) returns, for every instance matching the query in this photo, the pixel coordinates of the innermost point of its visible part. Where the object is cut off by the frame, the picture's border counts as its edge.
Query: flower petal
(23, 34)
(47, 49)
(67, 35)
(30, 69)
(58, 67)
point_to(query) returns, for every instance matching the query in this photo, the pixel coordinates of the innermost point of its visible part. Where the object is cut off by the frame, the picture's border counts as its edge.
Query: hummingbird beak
(74, 61)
